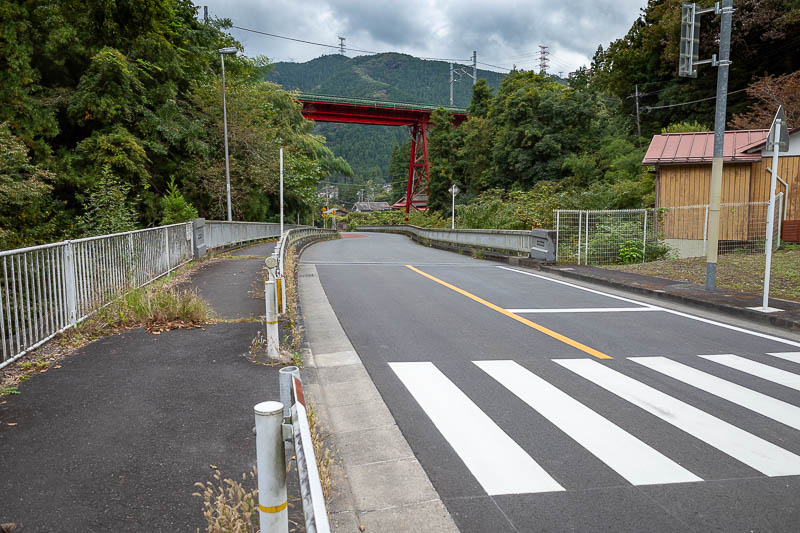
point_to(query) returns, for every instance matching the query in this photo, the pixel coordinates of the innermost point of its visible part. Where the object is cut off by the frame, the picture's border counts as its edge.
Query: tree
(175, 207)
(107, 208)
(769, 92)
(443, 141)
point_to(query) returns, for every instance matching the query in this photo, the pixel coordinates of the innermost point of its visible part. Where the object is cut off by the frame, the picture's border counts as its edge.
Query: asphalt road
(534, 404)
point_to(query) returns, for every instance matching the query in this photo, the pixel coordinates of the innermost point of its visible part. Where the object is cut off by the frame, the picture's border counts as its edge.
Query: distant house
(368, 207)
(419, 202)
(683, 178)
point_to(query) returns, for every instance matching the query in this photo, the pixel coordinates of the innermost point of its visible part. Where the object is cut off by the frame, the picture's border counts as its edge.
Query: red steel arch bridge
(416, 117)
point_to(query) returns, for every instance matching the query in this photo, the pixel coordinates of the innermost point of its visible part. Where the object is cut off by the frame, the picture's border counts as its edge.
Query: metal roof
(677, 148)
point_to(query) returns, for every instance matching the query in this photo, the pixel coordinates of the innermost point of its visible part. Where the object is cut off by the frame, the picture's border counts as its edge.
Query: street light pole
(222, 53)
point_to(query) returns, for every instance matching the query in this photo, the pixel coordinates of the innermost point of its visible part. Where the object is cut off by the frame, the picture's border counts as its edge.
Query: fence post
(558, 227)
(271, 460)
(132, 273)
(705, 234)
(166, 249)
(580, 229)
(644, 237)
(272, 319)
(285, 375)
(586, 236)
(780, 218)
(68, 267)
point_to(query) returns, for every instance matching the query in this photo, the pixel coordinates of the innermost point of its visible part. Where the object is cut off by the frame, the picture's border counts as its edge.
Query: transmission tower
(544, 52)
(341, 44)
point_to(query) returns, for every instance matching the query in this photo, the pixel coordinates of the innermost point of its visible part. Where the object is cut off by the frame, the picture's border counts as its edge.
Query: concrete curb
(378, 482)
(790, 324)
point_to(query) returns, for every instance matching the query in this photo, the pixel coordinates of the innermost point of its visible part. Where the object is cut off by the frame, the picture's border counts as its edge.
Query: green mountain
(390, 76)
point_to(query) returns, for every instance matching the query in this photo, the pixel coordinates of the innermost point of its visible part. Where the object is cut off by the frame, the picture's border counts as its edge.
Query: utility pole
(638, 125)
(341, 45)
(281, 192)
(205, 14)
(544, 51)
(474, 67)
(451, 84)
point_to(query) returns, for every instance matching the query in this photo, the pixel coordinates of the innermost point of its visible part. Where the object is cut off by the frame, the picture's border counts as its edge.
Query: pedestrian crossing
(503, 466)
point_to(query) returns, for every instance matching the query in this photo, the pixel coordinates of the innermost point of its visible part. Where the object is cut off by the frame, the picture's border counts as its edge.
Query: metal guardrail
(293, 236)
(47, 289)
(494, 239)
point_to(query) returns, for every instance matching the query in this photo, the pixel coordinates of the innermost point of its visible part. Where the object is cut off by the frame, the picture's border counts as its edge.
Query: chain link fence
(629, 236)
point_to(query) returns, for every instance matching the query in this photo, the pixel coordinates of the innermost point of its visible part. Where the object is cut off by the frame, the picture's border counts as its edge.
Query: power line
(651, 108)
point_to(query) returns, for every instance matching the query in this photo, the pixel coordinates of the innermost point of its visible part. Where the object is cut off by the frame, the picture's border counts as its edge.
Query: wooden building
(683, 178)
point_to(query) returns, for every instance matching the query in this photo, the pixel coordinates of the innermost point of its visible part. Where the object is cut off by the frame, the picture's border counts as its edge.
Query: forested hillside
(389, 76)
(112, 120)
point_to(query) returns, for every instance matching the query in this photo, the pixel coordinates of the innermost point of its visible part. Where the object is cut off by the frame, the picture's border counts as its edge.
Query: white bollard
(271, 460)
(272, 320)
(285, 375)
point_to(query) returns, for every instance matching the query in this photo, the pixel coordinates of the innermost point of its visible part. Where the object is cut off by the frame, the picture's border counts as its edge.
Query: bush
(175, 207)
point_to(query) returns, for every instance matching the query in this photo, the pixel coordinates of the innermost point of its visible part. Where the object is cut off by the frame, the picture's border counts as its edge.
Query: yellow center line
(558, 336)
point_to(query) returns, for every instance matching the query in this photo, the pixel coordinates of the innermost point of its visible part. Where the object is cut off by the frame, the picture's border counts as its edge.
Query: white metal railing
(495, 239)
(293, 236)
(46, 289)
(640, 235)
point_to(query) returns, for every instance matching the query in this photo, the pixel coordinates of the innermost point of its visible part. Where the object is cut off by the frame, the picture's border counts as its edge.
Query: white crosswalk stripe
(499, 464)
(502, 466)
(776, 375)
(767, 458)
(749, 399)
(628, 456)
(787, 356)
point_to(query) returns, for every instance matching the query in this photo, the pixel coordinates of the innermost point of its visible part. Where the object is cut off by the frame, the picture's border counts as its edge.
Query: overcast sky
(504, 32)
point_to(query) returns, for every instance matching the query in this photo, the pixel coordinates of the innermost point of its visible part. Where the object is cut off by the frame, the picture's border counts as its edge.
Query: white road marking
(776, 375)
(671, 311)
(568, 284)
(768, 406)
(628, 456)
(753, 451)
(794, 357)
(583, 310)
(499, 464)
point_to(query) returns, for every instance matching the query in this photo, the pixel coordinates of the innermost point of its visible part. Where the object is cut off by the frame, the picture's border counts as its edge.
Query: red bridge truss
(360, 111)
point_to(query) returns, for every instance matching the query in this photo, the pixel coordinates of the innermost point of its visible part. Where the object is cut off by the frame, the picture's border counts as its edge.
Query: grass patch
(230, 506)
(738, 272)
(160, 306)
(322, 451)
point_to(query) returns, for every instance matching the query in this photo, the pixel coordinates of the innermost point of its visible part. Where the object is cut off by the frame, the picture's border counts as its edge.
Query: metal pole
(580, 228)
(558, 227)
(285, 381)
(451, 84)
(271, 298)
(586, 237)
(225, 128)
(271, 461)
(771, 214)
(474, 67)
(644, 238)
(453, 222)
(281, 193)
(719, 141)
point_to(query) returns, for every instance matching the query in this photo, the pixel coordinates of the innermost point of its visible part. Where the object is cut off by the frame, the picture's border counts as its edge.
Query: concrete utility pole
(723, 66)
(474, 67)
(281, 193)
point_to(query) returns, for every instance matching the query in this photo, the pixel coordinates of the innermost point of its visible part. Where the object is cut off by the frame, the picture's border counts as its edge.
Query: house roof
(677, 148)
(760, 145)
(370, 206)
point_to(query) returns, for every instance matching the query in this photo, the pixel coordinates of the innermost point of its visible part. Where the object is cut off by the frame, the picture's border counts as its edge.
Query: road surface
(536, 404)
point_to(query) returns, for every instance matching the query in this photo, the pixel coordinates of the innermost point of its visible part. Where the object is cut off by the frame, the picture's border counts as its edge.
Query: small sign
(454, 190)
(783, 140)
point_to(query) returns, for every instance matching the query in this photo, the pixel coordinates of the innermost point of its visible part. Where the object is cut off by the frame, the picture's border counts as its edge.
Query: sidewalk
(725, 301)
(115, 439)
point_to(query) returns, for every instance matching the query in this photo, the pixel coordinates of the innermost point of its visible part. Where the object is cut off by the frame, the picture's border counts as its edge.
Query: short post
(272, 320)
(558, 228)
(644, 238)
(580, 226)
(271, 461)
(69, 282)
(285, 375)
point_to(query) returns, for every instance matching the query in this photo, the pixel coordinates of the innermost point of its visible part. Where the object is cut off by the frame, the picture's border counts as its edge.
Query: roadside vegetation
(736, 271)
(159, 307)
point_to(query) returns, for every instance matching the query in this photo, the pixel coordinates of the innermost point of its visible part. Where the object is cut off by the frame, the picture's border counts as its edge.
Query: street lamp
(222, 53)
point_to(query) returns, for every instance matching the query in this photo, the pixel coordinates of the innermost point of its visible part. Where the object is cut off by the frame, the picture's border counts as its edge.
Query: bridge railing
(376, 103)
(47, 289)
(520, 241)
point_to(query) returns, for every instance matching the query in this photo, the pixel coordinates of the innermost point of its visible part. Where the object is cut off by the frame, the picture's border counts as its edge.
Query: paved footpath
(115, 439)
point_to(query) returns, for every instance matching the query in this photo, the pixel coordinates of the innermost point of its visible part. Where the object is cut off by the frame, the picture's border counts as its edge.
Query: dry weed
(228, 505)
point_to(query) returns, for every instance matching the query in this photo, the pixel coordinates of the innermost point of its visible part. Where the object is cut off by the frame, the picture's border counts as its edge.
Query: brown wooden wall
(789, 171)
(685, 185)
